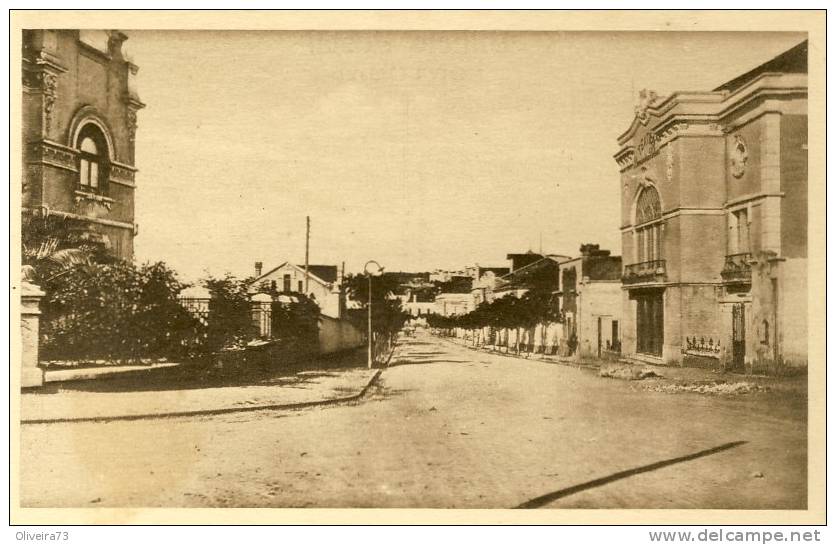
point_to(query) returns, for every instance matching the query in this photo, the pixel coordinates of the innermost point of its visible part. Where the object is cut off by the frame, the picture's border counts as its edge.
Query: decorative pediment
(647, 98)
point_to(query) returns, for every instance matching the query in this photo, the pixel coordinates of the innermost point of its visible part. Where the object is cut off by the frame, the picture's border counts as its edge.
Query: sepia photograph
(545, 261)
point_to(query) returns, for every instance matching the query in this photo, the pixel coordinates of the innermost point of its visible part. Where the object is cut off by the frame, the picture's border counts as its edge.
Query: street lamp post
(377, 272)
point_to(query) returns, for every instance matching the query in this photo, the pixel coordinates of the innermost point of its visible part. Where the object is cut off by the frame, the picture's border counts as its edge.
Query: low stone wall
(700, 361)
(334, 336)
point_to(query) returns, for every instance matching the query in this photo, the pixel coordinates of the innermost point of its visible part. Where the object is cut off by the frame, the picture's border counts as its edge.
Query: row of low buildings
(713, 188)
(585, 289)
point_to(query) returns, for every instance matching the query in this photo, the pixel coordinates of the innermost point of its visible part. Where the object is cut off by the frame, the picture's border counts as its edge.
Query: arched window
(648, 226)
(648, 207)
(92, 161)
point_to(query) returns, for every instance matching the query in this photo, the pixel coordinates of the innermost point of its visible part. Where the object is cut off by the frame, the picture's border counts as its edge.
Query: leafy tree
(296, 321)
(116, 312)
(534, 307)
(387, 315)
(230, 317)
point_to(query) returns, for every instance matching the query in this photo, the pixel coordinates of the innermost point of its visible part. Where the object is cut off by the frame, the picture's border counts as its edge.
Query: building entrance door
(650, 322)
(738, 337)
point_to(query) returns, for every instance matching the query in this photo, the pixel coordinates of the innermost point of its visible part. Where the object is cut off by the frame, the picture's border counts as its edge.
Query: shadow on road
(545, 499)
(424, 362)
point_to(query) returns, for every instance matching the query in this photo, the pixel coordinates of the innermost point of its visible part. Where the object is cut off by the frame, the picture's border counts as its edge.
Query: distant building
(440, 275)
(79, 129)
(453, 304)
(590, 303)
(486, 281)
(476, 272)
(453, 296)
(324, 284)
(415, 291)
(417, 307)
(529, 271)
(714, 222)
(518, 261)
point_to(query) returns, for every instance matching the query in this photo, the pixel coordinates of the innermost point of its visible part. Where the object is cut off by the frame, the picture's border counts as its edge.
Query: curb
(83, 376)
(212, 412)
(565, 363)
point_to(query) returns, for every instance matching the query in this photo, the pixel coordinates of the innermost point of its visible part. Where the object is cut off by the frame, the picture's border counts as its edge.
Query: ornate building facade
(79, 128)
(714, 222)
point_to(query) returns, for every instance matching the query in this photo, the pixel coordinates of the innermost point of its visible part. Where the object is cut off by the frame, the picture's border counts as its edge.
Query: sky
(420, 150)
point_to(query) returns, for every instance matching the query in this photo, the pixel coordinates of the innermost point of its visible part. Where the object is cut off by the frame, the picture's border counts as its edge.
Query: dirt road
(446, 427)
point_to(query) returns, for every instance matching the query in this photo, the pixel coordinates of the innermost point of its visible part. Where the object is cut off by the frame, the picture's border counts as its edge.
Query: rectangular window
(649, 244)
(732, 239)
(742, 231)
(84, 172)
(301, 287)
(658, 249)
(94, 175)
(739, 232)
(640, 245)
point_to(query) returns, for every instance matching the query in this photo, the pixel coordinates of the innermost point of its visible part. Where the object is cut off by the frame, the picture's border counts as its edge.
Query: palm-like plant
(48, 250)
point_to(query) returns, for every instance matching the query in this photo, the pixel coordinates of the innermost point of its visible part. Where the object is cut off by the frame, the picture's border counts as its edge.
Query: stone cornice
(665, 107)
(51, 153)
(54, 154)
(111, 223)
(663, 135)
(680, 211)
(745, 199)
(43, 61)
(122, 174)
(714, 105)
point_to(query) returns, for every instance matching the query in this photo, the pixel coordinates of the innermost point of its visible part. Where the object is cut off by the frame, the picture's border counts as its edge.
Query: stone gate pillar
(30, 314)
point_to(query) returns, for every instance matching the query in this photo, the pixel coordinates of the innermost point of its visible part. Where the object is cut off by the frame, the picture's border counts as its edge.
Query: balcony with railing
(737, 269)
(646, 271)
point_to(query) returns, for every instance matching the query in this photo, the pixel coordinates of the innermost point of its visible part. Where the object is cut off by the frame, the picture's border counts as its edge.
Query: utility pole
(307, 250)
(342, 304)
(371, 335)
(378, 271)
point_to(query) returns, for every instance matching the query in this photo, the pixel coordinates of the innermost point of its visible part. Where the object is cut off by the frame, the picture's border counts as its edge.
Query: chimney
(593, 250)
(258, 266)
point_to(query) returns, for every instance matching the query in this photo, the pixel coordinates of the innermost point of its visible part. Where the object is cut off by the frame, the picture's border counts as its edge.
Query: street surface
(446, 427)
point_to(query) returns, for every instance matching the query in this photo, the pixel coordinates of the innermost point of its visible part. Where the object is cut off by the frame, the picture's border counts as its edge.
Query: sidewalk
(667, 377)
(563, 360)
(294, 390)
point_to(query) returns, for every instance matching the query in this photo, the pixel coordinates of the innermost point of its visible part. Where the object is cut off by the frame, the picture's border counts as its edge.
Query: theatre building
(714, 223)
(79, 126)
